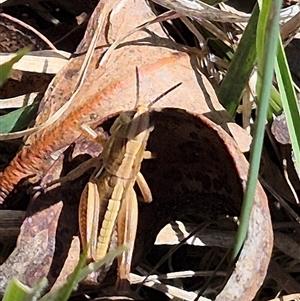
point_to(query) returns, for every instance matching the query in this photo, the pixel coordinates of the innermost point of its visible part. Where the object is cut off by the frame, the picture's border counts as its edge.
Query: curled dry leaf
(112, 88)
(186, 145)
(199, 157)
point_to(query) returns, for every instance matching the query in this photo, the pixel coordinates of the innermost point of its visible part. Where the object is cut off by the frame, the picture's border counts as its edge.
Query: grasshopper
(109, 198)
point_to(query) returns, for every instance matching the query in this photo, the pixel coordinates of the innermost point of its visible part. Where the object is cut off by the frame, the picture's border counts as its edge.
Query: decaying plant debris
(198, 171)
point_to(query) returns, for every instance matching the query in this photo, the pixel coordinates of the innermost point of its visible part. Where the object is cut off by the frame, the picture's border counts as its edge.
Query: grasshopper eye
(125, 119)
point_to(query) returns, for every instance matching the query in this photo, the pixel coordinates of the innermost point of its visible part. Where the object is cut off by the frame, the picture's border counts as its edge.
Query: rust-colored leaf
(112, 88)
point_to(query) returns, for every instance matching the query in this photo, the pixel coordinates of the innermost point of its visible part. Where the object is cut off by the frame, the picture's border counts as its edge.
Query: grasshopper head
(125, 118)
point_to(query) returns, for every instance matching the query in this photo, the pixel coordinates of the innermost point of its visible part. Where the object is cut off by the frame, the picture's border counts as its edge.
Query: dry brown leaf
(112, 88)
(185, 144)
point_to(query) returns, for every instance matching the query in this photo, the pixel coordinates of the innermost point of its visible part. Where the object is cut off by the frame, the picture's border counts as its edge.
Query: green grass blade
(275, 104)
(18, 119)
(289, 101)
(95, 266)
(63, 293)
(79, 274)
(240, 67)
(5, 69)
(16, 291)
(267, 45)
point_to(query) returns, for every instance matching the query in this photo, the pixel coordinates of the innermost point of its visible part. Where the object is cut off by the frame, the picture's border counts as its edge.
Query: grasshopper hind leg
(127, 227)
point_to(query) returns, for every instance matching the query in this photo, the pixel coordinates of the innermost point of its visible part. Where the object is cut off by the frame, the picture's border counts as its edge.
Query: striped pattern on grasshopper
(109, 196)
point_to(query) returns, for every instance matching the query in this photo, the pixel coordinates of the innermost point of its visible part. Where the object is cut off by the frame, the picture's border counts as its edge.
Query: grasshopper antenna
(162, 95)
(137, 96)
